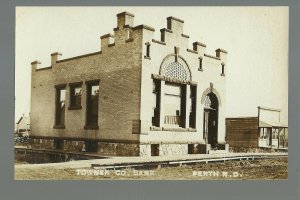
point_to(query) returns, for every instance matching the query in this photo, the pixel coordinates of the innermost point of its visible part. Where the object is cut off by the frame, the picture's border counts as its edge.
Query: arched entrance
(210, 120)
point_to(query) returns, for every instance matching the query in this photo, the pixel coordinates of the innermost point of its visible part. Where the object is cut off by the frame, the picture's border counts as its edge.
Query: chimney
(55, 57)
(199, 47)
(106, 40)
(175, 25)
(125, 18)
(222, 54)
(35, 65)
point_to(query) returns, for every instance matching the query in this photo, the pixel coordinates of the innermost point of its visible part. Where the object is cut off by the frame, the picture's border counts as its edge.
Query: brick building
(138, 96)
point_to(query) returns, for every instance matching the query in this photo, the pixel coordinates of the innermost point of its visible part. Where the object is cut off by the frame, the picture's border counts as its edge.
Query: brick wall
(118, 66)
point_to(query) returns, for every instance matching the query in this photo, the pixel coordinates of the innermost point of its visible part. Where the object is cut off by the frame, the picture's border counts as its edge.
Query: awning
(264, 124)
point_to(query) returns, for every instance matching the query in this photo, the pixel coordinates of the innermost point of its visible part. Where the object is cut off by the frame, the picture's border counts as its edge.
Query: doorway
(210, 120)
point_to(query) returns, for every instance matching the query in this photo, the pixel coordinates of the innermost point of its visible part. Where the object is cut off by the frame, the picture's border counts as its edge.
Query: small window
(91, 146)
(75, 96)
(190, 148)
(60, 106)
(193, 99)
(58, 144)
(92, 101)
(156, 103)
(154, 149)
(223, 69)
(200, 64)
(147, 50)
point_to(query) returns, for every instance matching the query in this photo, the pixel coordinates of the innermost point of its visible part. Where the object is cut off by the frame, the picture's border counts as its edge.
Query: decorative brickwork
(125, 70)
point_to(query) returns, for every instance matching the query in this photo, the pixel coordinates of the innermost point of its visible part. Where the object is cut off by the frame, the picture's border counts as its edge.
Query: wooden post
(278, 135)
(283, 137)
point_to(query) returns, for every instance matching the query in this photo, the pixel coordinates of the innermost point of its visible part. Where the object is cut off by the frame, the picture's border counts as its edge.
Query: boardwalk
(137, 160)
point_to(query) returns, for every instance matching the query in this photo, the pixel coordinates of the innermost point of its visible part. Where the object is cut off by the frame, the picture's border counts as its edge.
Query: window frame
(58, 89)
(89, 84)
(147, 50)
(200, 68)
(72, 87)
(223, 69)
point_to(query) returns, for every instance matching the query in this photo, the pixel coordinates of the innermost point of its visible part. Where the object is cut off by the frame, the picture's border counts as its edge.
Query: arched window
(176, 70)
(175, 67)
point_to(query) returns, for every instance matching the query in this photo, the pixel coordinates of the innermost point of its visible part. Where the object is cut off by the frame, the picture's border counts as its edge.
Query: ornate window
(207, 102)
(176, 70)
(175, 67)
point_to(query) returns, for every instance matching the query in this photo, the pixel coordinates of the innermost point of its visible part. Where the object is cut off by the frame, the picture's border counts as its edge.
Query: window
(60, 106)
(58, 144)
(156, 103)
(92, 102)
(75, 95)
(91, 146)
(223, 69)
(200, 64)
(174, 105)
(190, 148)
(154, 149)
(147, 50)
(193, 98)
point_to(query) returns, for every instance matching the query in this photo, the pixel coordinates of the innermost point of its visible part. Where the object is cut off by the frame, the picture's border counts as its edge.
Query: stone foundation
(110, 149)
(70, 145)
(118, 149)
(145, 150)
(250, 150)
(173, 149)
(40, 143)
(165, 149)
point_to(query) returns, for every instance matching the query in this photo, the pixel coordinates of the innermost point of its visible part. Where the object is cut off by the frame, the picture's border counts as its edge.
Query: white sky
(256, 39)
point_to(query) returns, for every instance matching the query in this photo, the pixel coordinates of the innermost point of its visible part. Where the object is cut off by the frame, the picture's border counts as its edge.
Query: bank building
(137, 96)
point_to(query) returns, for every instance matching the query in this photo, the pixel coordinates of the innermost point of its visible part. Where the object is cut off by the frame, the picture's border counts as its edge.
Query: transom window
(175, 67)
(176, 70)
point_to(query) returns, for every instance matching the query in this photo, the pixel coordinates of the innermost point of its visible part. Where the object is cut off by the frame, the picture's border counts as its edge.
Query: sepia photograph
(151, 93)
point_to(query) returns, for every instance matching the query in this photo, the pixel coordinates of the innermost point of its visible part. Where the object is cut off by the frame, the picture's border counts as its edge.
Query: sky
(256, 39)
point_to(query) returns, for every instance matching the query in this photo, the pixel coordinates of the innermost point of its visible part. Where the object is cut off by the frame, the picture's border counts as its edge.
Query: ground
(266, 169)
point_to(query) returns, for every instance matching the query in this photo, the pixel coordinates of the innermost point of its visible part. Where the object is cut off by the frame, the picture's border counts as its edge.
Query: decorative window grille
(177, 70)
(207, 102)
(175, 67)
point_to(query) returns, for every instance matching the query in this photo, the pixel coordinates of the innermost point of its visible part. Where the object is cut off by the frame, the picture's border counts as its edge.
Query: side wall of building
(118, 67)
(242, 132)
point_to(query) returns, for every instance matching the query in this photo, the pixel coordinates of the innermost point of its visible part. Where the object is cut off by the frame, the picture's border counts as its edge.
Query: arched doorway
(210, 120)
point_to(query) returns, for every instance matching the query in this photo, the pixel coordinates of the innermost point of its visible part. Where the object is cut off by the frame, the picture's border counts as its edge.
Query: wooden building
(265, 130)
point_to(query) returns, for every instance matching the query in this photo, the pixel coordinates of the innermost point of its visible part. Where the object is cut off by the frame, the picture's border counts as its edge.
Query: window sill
(59, 127)
(91, 127)
(74, 107)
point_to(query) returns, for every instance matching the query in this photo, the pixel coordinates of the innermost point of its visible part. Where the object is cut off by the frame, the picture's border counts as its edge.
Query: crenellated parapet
(126, 32)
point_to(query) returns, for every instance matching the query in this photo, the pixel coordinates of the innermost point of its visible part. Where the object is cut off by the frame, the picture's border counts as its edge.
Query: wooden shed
(262, 131)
